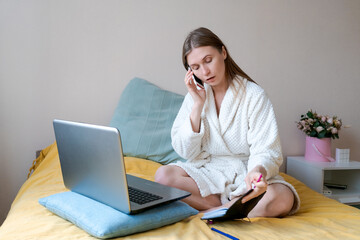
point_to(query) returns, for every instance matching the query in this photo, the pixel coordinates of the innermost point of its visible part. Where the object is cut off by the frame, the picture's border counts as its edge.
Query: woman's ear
(223, 52)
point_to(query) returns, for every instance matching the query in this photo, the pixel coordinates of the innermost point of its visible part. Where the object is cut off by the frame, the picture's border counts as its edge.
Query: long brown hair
(202, 37)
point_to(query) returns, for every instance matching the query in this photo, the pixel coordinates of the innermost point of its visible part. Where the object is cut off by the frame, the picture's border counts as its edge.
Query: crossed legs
(277, 201)
(175, 176)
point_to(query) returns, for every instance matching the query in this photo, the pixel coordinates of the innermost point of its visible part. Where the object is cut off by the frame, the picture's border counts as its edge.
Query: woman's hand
(256, 176)
(198, 96)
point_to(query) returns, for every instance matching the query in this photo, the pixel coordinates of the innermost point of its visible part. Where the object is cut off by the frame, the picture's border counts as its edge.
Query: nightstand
(315, 174)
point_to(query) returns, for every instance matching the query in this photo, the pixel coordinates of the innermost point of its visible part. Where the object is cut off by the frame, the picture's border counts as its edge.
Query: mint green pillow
(102, 221)
(144, 117)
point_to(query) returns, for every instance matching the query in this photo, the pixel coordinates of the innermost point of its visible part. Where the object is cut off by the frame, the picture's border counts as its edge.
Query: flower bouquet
(319, 130)
(319, 126)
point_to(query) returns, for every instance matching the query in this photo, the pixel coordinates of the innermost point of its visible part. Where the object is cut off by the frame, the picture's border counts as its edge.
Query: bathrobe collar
(229, 106)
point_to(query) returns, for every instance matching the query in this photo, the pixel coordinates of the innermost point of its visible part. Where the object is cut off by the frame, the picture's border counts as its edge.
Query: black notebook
(238, 210)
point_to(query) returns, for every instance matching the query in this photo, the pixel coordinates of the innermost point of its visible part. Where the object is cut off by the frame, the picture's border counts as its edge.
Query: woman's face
(208, 64)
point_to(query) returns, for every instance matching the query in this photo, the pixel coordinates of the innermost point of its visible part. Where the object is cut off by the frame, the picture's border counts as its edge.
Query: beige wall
(71, 59)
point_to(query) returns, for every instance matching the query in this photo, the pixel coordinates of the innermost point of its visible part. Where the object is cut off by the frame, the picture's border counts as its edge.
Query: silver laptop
(92, 164)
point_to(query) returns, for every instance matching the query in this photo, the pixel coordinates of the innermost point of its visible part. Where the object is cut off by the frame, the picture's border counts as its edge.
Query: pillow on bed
(144, 117)
(103, 221)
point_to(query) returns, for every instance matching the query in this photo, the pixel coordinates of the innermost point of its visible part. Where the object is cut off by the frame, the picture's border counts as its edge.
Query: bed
(318, 218)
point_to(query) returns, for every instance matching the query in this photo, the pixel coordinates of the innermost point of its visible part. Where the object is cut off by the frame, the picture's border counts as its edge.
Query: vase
(318, 149)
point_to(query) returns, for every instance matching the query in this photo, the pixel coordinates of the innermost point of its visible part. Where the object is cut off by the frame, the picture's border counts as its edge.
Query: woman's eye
(195, 68)
(208, 60)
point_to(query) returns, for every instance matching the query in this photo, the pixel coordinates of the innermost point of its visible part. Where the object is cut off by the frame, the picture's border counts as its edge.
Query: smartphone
(198, 83)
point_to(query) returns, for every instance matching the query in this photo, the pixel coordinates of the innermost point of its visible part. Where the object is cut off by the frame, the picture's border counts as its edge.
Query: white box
(342, 155)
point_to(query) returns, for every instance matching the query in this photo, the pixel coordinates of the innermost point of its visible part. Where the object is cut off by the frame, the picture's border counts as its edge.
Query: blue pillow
(144, 117)
(103, 221)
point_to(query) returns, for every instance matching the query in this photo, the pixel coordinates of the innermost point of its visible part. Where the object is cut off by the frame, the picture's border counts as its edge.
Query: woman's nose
(205, 70)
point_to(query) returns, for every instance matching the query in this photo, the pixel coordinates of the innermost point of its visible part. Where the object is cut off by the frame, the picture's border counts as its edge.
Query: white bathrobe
(244, 135)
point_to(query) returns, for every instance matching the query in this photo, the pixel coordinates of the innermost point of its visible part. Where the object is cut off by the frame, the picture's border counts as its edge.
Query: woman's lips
(210, 79)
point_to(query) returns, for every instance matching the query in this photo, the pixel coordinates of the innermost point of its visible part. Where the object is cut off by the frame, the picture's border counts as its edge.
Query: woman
(227, 131)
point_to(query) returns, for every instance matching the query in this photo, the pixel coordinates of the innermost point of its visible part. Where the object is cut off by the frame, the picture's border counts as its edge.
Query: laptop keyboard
(141, 197)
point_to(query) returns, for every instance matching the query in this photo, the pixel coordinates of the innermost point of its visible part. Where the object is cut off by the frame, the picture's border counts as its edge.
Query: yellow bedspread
(318, 218)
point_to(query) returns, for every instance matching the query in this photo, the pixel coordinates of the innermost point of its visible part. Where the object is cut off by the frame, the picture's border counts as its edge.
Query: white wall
(72, 59)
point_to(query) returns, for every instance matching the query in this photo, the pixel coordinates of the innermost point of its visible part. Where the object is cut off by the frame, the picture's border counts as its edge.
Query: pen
(225, 234)
(259, 179)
